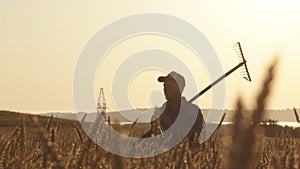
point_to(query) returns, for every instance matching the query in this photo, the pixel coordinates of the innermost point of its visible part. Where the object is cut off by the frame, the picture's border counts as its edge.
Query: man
(165, 116)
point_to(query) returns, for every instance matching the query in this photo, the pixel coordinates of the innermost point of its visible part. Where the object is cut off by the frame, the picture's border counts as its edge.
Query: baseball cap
(174, 76)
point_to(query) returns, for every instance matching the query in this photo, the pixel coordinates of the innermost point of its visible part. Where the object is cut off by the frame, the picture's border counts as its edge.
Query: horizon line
(72, 111)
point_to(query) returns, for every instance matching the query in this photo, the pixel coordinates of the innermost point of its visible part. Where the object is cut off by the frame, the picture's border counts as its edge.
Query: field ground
(56, 143)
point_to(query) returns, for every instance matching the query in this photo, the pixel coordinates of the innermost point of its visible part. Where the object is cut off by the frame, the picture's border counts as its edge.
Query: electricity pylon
(101, 104)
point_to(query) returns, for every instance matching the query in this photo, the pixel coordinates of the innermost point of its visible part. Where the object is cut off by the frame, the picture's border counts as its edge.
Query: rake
(245, 72)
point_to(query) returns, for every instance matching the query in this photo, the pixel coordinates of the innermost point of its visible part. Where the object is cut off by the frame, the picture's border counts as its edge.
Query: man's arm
(198, 125)
(155, 123)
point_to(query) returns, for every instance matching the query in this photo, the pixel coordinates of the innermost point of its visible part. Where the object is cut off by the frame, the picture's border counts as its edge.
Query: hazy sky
(41, 41)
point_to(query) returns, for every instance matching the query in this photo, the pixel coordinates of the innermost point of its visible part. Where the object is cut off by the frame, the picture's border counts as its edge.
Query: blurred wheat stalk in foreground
(246, 129)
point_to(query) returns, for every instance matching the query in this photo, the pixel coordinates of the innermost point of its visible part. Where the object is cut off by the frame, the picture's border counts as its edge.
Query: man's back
(166, 116)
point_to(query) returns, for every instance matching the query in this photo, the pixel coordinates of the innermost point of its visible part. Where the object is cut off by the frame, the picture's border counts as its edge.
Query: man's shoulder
(158, 111)
(189, 105)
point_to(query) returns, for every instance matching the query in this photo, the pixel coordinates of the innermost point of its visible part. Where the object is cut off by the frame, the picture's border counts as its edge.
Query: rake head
(239, 53)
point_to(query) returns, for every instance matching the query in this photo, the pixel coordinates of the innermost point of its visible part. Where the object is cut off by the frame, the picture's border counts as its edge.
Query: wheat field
(46, 142)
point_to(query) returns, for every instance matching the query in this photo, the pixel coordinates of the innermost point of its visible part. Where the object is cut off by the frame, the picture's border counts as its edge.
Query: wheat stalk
(49, 123)
(245, 129)
(48, 146)
(296, 115)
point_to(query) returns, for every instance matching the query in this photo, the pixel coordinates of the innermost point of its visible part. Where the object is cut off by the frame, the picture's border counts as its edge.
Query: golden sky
(41, 41)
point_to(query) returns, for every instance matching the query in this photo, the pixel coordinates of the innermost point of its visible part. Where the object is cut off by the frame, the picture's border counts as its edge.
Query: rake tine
(238, 44)
(247, 78)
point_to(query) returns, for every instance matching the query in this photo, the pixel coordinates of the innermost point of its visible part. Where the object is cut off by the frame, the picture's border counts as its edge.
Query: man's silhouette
(163, 119)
